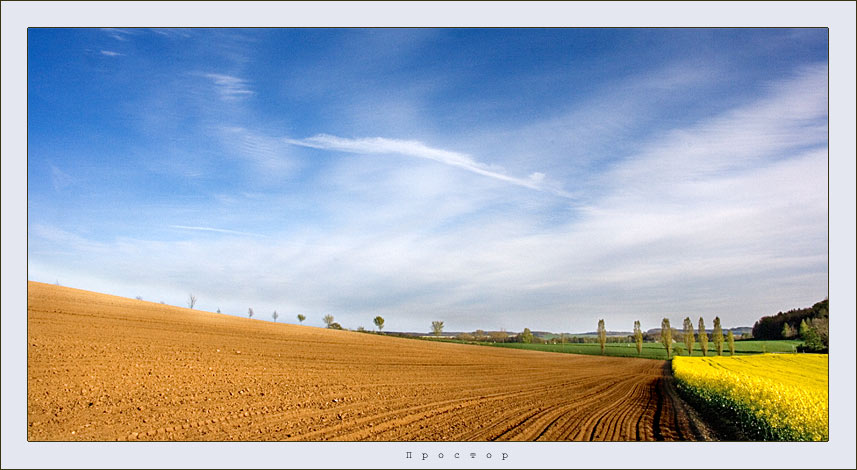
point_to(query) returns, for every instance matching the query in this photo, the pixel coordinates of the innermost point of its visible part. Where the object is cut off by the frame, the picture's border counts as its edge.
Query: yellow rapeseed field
(778, 396)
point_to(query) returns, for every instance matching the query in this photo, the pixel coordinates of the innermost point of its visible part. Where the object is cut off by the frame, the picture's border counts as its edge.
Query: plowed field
(109, 368)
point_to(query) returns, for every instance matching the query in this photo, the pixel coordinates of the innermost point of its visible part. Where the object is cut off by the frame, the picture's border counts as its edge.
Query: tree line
(690, 336)
(810, 324)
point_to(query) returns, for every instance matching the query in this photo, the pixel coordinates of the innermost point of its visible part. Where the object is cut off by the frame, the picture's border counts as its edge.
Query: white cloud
(111, 53)
(215, 230)
(727, 216)
(793, 115)
(60, 179)
(118, 34)
(182, 33)
(51, 237)
(412, 148)
(229, 87)
(270, 154)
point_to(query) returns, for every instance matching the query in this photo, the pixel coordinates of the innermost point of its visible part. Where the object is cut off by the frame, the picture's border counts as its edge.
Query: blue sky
(489, 178)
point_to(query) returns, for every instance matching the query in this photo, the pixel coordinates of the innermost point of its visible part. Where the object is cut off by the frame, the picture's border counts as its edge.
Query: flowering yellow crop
(779, 396)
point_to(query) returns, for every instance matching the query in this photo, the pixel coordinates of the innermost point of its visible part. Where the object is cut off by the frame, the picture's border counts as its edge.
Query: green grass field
(655, 350)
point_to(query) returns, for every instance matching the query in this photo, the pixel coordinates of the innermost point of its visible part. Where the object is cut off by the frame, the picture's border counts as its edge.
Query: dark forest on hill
(809, 324)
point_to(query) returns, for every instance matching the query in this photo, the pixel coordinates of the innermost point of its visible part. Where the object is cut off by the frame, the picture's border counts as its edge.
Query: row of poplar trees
(689, 337)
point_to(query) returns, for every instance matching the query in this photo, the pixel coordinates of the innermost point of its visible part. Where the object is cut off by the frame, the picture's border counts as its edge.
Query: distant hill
(420, 333)
(609, 333)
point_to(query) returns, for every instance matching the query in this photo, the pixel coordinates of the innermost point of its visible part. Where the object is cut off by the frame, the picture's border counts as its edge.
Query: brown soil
(103, 368)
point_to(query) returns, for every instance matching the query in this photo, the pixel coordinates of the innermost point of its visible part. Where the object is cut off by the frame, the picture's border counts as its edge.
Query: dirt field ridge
(107, 368)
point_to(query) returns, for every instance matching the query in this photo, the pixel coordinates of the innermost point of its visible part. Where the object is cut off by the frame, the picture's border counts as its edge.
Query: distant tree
(335, 326)
(301, 318)
(275, 315)
(328, 320)
(191, 300)
(138, 298)
(822, 327)
(218, 309)
(527, 336)
(562, 338)
(250, 312)
(730, 341)
(667, 336)
(437, 327)
(499, 336)
(703, 337)
(688, 335)
(811, 338)
(479, 335)
(361, 329)
(803, 329)
(718, 336)
(638, 336)
(788, 331)
(602, 334)
(379, 322)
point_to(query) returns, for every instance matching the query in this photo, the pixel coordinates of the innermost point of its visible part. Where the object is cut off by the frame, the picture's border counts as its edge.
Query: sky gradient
(489, 178)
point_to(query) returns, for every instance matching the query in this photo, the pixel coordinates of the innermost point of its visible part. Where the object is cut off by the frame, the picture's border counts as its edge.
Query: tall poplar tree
(703, 337)
(688, 335)
(667, 337)
(730, 341)
(638, 336)
(718, 336)
(602, 335)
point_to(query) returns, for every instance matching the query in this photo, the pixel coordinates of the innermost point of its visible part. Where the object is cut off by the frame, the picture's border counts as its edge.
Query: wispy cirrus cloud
(791, 117)
(215, 230)
(111, 53)
(413, 148)
(60, 179)
(230, 87)
(268, 153)
(118, 34)
(182, 33)
(695, 187)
